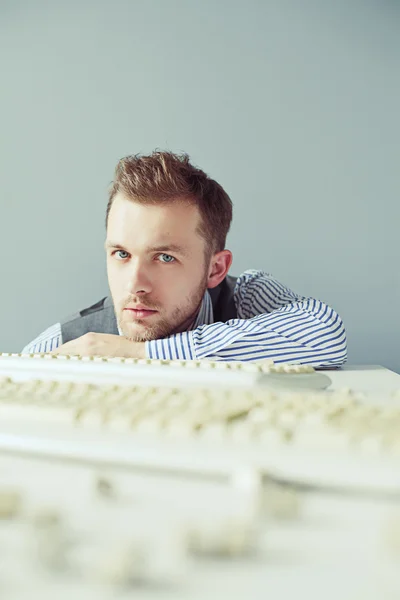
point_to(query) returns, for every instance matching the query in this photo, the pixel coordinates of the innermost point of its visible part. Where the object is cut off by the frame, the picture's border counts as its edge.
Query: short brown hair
(165, 176)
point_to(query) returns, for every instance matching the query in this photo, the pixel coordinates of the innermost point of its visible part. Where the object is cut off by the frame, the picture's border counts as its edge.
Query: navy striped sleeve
(274, 323)
(47, 341)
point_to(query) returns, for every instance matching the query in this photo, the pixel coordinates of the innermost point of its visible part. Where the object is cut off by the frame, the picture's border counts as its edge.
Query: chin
(143, 332)
(136, 333)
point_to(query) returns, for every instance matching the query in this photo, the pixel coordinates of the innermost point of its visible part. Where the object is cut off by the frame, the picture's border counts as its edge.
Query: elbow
(343, 352)
(339, 352)
(331, 348)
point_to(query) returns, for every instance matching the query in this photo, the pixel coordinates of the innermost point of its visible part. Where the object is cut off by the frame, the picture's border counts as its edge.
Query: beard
(179, 320)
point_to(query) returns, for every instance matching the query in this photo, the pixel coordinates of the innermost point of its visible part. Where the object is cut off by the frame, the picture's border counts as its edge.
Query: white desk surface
(364, 378)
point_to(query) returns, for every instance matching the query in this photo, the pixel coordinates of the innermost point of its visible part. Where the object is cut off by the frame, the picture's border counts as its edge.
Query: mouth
(140, 313)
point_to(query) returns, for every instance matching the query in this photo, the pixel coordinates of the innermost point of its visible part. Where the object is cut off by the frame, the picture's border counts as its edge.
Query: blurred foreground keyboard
(194, 480)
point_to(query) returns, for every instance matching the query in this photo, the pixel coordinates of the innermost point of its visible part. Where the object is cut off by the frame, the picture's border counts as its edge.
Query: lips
(140, 312)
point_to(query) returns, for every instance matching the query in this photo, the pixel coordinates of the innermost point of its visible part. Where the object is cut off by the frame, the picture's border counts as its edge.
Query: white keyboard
(183, 373)
(194, 480)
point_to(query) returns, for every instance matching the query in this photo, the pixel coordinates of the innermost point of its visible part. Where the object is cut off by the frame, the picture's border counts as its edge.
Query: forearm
(307, 332)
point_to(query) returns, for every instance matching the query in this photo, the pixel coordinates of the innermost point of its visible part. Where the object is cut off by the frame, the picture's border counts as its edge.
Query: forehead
(134, 224)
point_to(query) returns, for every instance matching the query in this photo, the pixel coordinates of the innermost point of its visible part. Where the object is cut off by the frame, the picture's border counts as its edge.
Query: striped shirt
(273, 322)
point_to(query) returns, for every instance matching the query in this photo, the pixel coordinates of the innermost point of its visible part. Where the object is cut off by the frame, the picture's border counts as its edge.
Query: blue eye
(167, 258)
(119, 252)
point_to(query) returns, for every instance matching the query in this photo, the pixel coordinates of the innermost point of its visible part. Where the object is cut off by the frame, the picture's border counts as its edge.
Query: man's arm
(90, 344)
(274, 322)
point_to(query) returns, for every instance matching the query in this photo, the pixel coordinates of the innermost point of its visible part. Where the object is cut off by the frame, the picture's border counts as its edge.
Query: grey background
(293, 106)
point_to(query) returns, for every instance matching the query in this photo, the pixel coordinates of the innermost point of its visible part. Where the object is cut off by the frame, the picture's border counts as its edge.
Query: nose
(139, 281)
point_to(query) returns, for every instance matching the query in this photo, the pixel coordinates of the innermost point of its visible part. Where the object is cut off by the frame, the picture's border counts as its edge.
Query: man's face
(156, 267)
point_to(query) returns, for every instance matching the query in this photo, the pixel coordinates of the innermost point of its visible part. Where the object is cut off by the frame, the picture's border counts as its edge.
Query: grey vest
(100, 318)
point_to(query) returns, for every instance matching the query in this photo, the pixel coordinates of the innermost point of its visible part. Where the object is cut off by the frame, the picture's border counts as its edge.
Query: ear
(219, 266)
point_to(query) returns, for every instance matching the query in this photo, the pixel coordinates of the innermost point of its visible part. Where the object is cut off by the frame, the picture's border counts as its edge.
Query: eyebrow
(113, 245)
(161, 248)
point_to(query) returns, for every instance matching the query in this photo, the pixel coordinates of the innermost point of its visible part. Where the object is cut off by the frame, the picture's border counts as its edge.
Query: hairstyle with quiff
(168, 177)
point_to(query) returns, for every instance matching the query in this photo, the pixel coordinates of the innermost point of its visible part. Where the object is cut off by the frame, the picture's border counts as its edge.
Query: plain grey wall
(292, 105)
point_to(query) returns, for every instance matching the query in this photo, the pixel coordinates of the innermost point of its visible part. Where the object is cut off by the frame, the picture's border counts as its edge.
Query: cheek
(115, 280)
(170, 287)
(186, 286)
(164, 287)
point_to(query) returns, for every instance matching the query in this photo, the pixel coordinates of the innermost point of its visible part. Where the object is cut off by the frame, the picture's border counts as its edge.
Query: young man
(171, 295)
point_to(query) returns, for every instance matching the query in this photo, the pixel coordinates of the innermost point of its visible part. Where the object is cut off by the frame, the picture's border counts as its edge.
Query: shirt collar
(205, 316)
